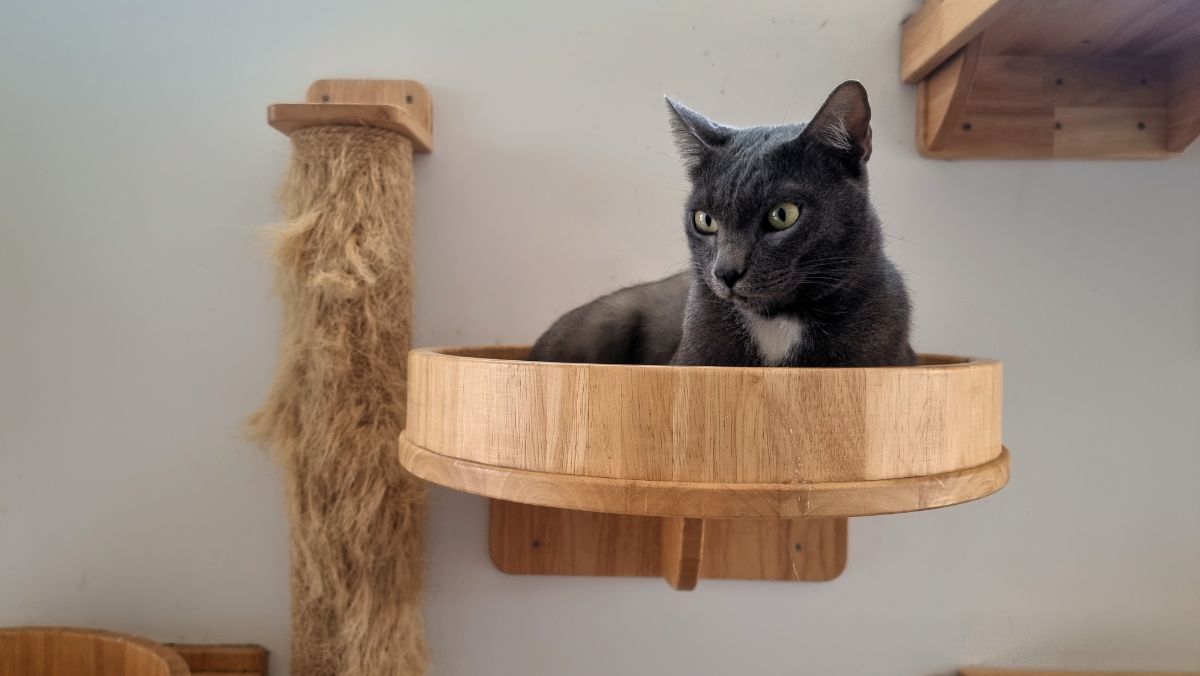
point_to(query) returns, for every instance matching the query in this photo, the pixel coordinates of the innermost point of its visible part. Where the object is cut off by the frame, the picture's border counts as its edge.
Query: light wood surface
(942, 27)
(682, 541)
(531, 540)
(63, 651)
(989, 671)
(706, 442)
(1066, 79)
(403, 106)
(706, 499)
(225, 660)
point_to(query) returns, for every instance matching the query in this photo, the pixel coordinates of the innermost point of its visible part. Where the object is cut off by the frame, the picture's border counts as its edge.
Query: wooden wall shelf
(1054, 78)
(403, 106)
(789, 453)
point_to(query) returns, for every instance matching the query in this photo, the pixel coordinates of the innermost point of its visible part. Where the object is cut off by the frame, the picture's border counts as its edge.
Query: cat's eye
(705, 222)
(783, 215)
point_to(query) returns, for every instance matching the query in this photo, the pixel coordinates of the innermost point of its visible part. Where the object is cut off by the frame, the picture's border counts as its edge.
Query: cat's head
(779, 213)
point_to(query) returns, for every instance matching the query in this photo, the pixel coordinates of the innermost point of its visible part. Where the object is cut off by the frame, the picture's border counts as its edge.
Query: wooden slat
(944, 94)
(403, 106)
(682, 542)
(227, 660)
(525, 539)
(942, 27)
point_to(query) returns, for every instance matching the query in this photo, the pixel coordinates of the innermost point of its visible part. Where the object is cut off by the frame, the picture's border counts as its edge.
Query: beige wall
(138, 328)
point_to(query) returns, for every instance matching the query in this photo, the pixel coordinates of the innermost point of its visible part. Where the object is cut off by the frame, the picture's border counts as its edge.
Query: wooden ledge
(708, 500)
(1116, 79)
(402, 106)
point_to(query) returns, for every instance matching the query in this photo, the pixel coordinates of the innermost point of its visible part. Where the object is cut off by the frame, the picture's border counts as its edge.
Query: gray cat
(788, 267)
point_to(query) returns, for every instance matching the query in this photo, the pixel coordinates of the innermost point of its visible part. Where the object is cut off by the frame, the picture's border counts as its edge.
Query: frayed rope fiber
(336, 408)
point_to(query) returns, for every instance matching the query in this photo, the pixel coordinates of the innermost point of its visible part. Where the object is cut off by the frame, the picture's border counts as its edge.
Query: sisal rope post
(336, 407)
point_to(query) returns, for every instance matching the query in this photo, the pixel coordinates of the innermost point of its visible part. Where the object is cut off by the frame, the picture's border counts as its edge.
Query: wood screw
(966, 126)
(536, 544)
(325, 98)
(1141, 125)
(408, 98)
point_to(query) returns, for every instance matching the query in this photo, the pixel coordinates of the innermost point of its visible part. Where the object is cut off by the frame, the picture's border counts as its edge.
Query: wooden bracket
(403, 106)
(222, 660)
(1070, 79)
(533, 540)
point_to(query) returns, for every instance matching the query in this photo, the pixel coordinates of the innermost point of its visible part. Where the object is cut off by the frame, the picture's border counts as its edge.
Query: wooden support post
(682, 545)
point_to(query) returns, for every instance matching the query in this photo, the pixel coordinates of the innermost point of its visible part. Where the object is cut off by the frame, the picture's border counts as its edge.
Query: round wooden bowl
(59, 651)
(706, 442)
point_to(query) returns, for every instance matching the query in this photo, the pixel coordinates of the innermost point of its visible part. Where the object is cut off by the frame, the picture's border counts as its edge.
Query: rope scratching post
(336, 407)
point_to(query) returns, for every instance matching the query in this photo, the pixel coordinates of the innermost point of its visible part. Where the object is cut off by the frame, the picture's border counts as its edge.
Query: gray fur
(820, 293)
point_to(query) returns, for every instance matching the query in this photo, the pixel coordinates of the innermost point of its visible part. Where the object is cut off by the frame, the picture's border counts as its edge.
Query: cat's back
(640, 324)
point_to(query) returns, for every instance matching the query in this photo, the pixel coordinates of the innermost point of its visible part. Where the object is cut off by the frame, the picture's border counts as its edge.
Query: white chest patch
(776, 337)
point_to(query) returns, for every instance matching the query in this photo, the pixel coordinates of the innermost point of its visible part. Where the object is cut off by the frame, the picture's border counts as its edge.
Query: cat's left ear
(844, 121)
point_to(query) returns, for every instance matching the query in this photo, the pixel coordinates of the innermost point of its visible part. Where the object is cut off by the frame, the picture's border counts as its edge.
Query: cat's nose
(729, 275)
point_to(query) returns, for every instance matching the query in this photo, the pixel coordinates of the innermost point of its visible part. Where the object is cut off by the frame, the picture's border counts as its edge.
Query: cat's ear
(695, 135)
(844, 121)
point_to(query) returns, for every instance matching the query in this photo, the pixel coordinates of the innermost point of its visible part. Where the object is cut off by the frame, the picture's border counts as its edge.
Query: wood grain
(1113, 79)
(705, 425)
(531, 540)
(63, 651)
(227, 660)
(706, 499)
(942, 27)
(403, 106)
(682, 541)
(943, 95)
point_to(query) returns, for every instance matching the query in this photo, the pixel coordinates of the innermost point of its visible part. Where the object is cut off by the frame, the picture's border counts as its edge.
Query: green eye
(783, 215)
(705, 222)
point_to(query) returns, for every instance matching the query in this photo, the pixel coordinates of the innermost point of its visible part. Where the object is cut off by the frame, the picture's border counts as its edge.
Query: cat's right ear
(696, 136)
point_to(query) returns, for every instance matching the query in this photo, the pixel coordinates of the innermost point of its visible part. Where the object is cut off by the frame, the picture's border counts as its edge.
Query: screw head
(536, 544)
(798, 547)
(966, 126)
(408, 98)
(1141, 125)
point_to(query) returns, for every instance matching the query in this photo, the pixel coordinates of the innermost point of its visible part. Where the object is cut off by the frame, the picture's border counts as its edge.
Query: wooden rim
(173, 662)
(708, 500)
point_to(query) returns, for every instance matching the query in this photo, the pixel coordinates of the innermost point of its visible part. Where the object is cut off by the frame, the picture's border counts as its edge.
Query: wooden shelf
(402, 106)
(1054, 79)
(781, 449)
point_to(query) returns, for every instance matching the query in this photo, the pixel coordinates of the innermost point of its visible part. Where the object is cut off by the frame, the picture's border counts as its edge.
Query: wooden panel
(226, 660)
(62, 651)
(682, 541)
(943, 95)
(1092, 27)
(1033, 106)
(1183, 99)
(989, 671)
(1058, 78)
(403, 106)
(942, 27)
(708, 425)
(526, 539)
(410, 95)
(708, 500)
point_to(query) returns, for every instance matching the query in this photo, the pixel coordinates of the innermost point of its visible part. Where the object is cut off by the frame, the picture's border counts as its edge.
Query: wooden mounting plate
(531, 540)
(1067, 79)
(403, 106)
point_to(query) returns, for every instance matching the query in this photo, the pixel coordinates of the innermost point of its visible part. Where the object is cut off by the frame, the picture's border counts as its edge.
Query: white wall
(138, 329)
